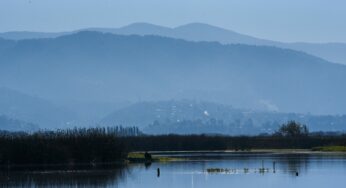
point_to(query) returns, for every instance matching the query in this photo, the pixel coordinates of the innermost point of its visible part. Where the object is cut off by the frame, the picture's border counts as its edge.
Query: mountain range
(107, 68)
(334, 52)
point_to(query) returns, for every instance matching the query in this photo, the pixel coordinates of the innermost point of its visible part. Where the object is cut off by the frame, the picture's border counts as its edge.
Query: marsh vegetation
(112, 145)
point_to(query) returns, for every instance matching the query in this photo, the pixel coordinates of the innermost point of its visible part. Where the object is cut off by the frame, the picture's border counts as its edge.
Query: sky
(281, 20)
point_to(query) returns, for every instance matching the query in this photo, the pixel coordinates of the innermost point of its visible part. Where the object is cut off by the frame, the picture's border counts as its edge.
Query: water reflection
(63, 177)
(244, 170)
(294, 163)
(288, 163)
(258, 162)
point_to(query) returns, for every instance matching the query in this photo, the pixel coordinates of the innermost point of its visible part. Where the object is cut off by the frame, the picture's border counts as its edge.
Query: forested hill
(196, 117)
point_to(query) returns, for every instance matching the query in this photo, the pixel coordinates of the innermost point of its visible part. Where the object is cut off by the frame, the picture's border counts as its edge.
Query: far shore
(171, 156)
(253, 151)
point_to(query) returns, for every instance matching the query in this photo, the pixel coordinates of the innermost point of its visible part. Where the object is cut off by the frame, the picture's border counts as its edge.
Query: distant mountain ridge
(22, 35)
(25, 108)
(334, 52)
(91, 66)
(10, 124)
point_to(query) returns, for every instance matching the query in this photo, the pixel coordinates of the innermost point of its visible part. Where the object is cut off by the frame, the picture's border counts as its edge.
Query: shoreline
(253, 151)
(170, 156)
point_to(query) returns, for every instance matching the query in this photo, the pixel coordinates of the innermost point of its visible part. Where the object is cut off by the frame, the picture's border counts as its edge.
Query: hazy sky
(283, 20)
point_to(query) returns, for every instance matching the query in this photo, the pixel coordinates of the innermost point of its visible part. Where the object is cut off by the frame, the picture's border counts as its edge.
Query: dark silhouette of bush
(293, 129)
(148, 157)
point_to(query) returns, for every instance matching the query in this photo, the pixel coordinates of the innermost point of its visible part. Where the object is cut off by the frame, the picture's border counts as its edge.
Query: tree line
(111, 144)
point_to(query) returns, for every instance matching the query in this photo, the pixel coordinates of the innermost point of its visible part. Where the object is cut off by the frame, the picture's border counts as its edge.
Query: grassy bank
(140, 157)
(330, 148)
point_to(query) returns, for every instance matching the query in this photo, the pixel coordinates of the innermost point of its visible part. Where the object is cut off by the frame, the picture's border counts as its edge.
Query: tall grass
(70, 146)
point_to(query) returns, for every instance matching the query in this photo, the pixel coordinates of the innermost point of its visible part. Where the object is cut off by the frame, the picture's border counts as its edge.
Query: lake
(217, 169)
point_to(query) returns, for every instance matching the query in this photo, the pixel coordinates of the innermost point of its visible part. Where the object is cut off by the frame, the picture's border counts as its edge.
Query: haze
(225, 67)
(295, 20)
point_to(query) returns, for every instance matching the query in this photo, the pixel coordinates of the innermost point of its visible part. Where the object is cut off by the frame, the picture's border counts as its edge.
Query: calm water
(238, 170)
